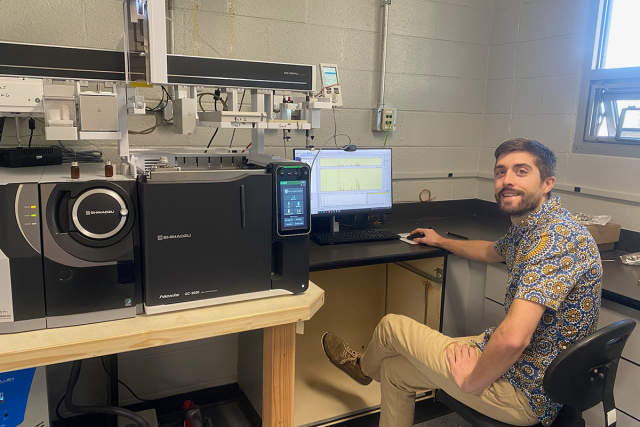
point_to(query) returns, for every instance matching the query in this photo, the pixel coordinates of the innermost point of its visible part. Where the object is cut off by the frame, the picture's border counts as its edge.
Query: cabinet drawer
(496, 284)
(627, 388)
(493, 314)
(611, 312)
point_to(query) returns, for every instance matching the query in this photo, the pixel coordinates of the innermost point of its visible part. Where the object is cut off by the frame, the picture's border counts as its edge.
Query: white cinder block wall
(465, 75)
(535, 64)
(437, 70)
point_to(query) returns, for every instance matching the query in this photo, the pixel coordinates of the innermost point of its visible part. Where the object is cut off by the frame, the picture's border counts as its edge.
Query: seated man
(552, 300)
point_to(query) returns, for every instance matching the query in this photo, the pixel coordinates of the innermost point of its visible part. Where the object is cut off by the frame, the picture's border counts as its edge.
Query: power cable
(336, 134)
(147, 131)
(110, 410)
(387, 136)
(216, 98)
(60, 417)
(163, 102)
(32, 127)
(104, 366)
(2, 119)
(85, 156)
(334, 137)
(211, 140)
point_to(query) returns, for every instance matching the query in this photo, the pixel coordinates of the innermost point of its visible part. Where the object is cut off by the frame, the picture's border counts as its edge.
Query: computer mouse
(415, 236)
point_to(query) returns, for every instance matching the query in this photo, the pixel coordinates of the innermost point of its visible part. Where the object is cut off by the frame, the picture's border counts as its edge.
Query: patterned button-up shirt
(552, 260)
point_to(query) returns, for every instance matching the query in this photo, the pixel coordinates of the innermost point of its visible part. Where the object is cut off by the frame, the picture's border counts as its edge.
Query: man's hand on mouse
(431, 238)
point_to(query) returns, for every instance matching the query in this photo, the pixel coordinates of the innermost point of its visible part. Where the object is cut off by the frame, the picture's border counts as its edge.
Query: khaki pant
(406, 357)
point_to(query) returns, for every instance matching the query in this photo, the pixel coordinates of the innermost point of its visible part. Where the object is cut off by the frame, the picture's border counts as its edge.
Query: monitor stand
(335, 225)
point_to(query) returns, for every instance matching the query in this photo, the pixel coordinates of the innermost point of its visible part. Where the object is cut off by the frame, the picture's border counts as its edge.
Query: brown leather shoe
(344, 357)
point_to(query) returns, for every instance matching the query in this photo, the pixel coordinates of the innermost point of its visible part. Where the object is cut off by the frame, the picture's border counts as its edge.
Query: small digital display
(330, 75)
(293, 206)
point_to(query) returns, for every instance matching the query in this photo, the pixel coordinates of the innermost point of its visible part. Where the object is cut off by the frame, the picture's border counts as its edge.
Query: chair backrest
(584, 374)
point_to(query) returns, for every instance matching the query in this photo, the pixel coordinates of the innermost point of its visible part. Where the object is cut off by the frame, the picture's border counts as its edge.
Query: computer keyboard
(353, 236)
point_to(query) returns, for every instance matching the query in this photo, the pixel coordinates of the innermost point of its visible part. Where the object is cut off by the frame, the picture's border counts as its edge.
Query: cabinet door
(412, 295)
(493, 314)
(497, 280)
(463, 296)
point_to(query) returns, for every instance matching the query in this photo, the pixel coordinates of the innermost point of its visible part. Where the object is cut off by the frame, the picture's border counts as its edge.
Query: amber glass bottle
(108, 169)
(75, 170)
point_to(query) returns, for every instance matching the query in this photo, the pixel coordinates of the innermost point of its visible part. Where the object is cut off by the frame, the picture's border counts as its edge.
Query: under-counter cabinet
(494, 293)
(356, 299)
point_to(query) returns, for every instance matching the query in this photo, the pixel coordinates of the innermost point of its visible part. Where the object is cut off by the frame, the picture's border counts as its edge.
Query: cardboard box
(605, 235)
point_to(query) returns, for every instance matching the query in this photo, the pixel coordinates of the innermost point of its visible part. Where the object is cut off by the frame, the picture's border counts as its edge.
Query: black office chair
(580, 377)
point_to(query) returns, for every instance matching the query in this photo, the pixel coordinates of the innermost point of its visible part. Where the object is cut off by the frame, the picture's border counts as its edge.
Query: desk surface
(45, 347)
(357, 254)
(621, 283)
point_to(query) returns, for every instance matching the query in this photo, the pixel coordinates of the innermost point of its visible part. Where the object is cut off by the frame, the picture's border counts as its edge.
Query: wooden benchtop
(49, 346)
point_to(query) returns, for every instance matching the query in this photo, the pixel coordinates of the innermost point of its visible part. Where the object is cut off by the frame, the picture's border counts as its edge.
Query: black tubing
(110, 410)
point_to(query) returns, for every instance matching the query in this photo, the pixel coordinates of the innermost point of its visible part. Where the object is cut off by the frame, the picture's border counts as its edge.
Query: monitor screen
(345, 182)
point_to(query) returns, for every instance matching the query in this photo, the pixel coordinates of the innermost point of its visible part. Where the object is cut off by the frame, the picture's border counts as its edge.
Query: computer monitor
(349, 182)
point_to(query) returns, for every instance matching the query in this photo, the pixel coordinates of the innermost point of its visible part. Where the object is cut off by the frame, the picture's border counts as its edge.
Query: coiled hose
(110, 410)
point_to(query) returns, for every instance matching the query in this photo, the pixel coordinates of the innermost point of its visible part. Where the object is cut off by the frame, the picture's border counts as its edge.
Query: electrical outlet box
(384, 119)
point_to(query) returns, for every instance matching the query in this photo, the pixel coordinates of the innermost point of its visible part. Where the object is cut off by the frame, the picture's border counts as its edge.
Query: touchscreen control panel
(293, 210)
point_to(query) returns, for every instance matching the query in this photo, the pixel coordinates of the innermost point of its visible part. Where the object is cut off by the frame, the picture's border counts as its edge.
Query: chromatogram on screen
(336, 162)
(350, 179)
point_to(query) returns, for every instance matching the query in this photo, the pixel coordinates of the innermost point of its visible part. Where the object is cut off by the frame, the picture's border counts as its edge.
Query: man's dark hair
(544, 158)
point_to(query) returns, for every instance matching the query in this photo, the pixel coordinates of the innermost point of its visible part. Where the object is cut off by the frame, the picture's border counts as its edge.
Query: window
(609, 108)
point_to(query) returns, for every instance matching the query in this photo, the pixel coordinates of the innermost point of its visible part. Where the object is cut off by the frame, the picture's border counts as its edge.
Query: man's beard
(528, 203)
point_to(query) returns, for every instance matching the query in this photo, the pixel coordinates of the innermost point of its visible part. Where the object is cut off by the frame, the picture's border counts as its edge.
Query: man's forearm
(498, 356)
(474, 250)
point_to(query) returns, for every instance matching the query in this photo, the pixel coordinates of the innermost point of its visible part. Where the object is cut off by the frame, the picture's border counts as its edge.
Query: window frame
(594, 77)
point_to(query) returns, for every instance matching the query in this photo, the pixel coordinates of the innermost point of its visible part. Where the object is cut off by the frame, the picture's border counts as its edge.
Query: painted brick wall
(465, 75)
(437, 69)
